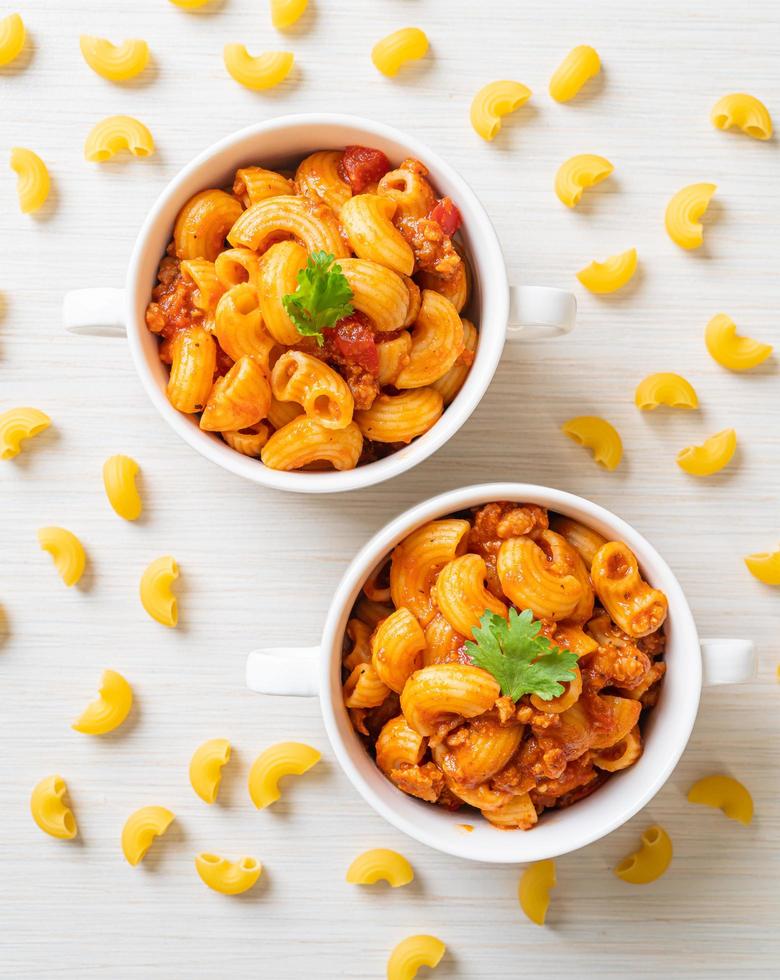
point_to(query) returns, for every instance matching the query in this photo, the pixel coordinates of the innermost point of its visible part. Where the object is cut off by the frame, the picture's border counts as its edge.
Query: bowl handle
(728, 661)
(98, 312)
(540, 311)
(290, 671)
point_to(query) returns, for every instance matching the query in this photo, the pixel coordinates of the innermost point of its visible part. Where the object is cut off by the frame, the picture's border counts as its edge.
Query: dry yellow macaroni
(278, 761)
(713, 454)
(115, 133)
(260, 72)
(650, 861)
(744, 112)
(580, 64)
(11, 38)
(206, 768)
(684, 211)
(17, 424)
(284, 13)
(227, 877)
(577, 173)
(765, 566)
(665, 388)
(49, 810)
(33, 181)
(140, 830)
(611, 274)
(729, 349)
(398, 48)
(494, 101)
(380, 864)
(119, 473)
(724, 793)
(116, 62)
(156, 595)
(533, 891)
(412, 953)
(67, 552)
(110, 709)
(189, 4)
(597, 434)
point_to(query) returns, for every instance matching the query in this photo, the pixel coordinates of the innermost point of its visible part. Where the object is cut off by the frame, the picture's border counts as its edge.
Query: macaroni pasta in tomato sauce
(312, 319)
(445, 730)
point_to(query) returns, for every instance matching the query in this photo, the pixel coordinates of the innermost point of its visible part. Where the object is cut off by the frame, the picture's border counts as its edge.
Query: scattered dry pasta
(49, 810)
(380, 864)
(116, 62)
(650, 861)
(227, 877)
(119, 474)
(157, 598)
(190, 4)
(115, 133)
(276, 762)
(259, 72)
(206, 768)
(711, 456)
(284, 13)
(140, 830)
(744, 112)
(577, 173)
(729, 349)
(412, 953)
(533, 890)
(33, 181)
(109, 710)
(611, 274)
(12, 35)
(683, 213)
(579, 65)
(17, 424)
(67, 552)
(597, 434)
(398, 48)
(494, 101)
(765, 566)
(665, 388)
(724, 793)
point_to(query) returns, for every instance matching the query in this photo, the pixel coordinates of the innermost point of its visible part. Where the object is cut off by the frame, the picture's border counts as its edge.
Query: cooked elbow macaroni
(384, 372)
(438, 726)
(116, 62)
(116, 133)
(494, 101)
(744, 112)
(724, 793)
(67, 552)
(157, 598)
(12, 36)
(33, 181)
(711, 456)
(412, 953)
(110, 709)
(227, 877)
(650, 861)
(533, 891)
(731, 350)
(119, 475)
(398, 48)
(579, 65)
(49, 810)
(140, 830)
(380, 864)
(278, 761)
(684, 211)
(206, 768)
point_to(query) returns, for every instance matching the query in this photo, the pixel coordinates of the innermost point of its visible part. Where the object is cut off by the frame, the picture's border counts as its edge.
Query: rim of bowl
(450, 502)
(455, 415)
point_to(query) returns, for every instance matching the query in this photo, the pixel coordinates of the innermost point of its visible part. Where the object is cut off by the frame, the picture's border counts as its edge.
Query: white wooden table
(259, 567)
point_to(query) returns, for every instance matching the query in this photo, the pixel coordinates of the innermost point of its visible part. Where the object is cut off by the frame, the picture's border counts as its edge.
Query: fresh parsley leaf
(522, 661)
(323, 296)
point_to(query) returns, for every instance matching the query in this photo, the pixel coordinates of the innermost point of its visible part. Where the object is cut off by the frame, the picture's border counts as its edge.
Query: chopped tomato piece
(352, 341)
(362, 166)
(447, 214)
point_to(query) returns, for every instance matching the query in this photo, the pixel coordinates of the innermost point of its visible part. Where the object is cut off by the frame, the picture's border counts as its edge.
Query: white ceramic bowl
(283, 142)
(317, 671)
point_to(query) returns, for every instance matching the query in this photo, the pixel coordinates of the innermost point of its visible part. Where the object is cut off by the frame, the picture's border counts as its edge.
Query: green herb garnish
(522, 661)
(323, 297)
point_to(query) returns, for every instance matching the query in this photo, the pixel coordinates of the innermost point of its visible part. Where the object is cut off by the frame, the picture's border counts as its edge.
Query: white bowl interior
(666, 731)
(283, 143)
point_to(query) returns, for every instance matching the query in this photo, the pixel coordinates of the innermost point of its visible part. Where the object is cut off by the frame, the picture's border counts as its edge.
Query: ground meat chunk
(426, 782)
(433, 249)
(172, 307)
(619, 667)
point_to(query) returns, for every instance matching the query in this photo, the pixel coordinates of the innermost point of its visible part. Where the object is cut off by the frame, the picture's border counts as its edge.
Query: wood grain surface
(260, 567)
